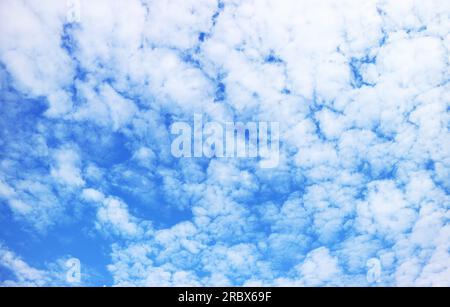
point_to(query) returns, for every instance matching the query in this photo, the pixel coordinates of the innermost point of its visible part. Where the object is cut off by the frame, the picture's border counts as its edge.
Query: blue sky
(90, 89)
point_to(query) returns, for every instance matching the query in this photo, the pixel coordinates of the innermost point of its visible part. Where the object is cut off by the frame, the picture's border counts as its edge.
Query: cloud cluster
(361, 92)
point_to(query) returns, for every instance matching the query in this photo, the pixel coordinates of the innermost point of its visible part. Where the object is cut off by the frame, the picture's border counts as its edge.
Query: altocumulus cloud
(360, 89)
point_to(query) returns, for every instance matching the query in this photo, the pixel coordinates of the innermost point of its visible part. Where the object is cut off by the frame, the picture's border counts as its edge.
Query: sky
(89, 91)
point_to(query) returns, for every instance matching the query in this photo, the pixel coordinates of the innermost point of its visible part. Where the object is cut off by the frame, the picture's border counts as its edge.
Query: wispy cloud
(361, 92)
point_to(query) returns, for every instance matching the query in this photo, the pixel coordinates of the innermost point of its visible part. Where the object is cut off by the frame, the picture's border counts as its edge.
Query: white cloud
(361, 94)
(113, 215)
(30, 49)
(385, 211)
(66, 168)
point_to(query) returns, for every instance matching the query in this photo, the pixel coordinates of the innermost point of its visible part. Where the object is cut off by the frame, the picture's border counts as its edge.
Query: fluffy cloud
(66, 168)
(361, 93)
